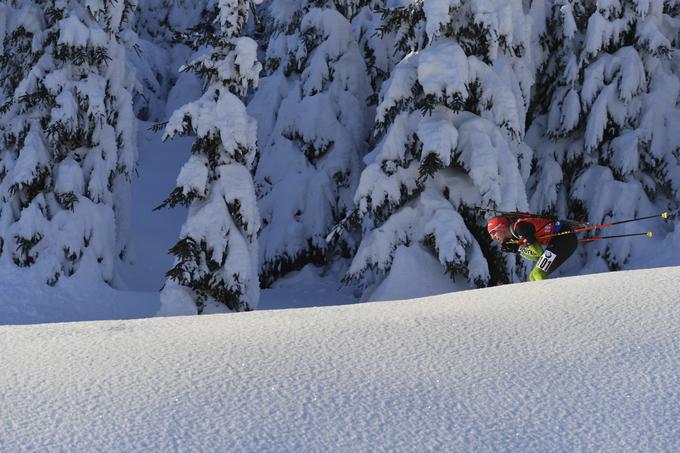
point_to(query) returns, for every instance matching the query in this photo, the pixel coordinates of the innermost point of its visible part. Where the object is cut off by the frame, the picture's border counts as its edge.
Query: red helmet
(496, 222)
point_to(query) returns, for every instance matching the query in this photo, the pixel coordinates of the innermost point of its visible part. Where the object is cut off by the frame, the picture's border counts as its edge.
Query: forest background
(334, 148)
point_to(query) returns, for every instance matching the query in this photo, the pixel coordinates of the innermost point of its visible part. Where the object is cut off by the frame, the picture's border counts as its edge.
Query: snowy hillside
(584, 363)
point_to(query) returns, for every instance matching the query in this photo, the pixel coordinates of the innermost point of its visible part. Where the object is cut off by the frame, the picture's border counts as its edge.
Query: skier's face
(501, 233)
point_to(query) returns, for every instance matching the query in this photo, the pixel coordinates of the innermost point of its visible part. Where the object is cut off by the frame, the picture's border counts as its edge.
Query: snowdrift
(581, 363)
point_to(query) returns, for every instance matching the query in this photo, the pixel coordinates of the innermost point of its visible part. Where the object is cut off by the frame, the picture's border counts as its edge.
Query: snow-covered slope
(584, 363)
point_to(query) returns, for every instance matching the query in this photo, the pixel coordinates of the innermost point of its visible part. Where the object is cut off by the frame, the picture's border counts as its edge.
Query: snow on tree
(377, 46)
(313, 126)
(67, 133)
(449, 128)
(160, 25)
(5, 11)
(216, 257)
(605, 139)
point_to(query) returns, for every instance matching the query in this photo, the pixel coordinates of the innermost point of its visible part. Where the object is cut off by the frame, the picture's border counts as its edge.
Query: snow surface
(79, 298)
(588, 363)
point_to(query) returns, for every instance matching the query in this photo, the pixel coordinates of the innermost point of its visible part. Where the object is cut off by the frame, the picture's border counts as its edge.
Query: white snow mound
(589, 363)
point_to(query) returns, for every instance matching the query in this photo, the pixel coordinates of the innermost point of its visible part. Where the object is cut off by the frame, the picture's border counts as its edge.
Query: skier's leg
(557, 252)
(537, 274)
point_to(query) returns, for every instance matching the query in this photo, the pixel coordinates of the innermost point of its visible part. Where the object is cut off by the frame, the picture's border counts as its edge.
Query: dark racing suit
(531, 234)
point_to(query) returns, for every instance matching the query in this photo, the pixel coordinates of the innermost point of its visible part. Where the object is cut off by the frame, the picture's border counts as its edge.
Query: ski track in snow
(585, 363)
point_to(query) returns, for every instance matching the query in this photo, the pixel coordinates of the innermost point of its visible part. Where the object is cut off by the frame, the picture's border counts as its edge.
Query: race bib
(546, 260)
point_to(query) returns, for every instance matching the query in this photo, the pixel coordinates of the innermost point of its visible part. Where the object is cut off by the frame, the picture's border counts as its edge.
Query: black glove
(509, 247)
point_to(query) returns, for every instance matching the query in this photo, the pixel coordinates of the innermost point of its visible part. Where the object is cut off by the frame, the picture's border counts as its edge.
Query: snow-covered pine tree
(216, 257)
(68, 136)
(313, 125)
(606, 143)
(449, 127)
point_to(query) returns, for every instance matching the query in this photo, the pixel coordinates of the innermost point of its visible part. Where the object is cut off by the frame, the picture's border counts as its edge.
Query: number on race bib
(546, 260)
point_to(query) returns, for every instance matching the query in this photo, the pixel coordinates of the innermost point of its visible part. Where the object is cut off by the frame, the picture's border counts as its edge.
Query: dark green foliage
(78, 55)
(311, 150)
(53, 14)
(158, 127)
(452, 268)
(190, 258)
(17, 58)
(429, 166)
(403, 20)
(24, 246)
(28, 190)
(272, 270)
(178, 197)
(41, 97)
(357, 279)
(234, 208)
(4, 108)
(348, 8)
(67, 200)
(378, 76)
(427, 103)
(474, 39)
(205, 33)
(341, 179)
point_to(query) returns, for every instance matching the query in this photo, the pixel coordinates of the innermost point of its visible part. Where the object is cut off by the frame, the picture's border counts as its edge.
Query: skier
(528, 235)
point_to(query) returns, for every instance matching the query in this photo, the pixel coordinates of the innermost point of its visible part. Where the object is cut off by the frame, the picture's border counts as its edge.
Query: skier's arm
(510, 247)
(525, 232)
(531, 252)
(529, 249)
